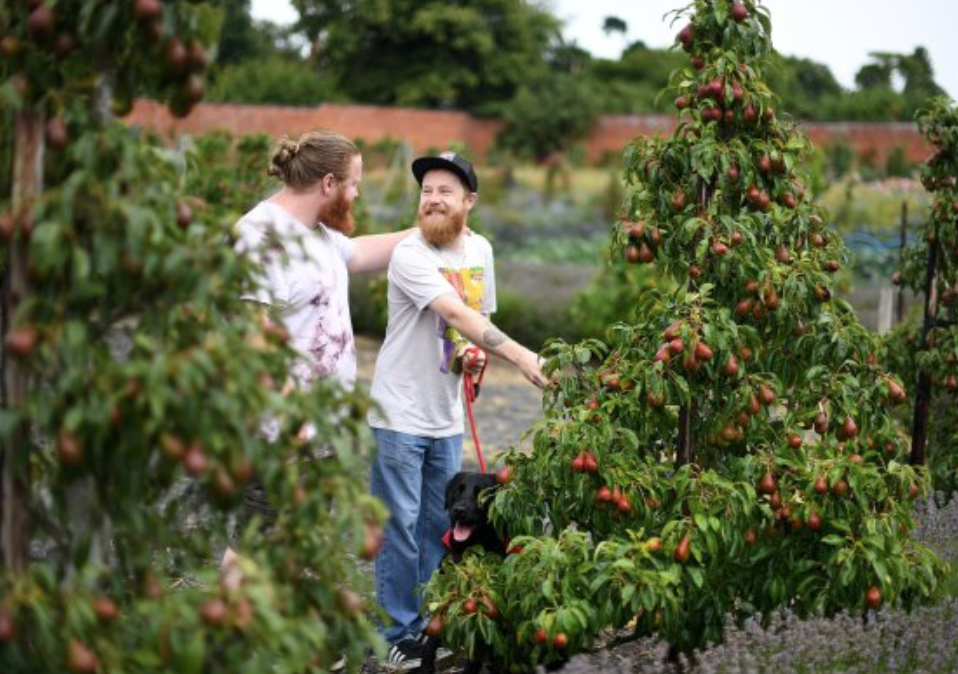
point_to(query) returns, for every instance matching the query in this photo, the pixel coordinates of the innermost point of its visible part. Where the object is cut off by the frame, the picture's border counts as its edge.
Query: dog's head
(466, 515)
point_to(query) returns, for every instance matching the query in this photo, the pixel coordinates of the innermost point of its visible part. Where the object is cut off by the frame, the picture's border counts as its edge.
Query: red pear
(731, 366)
(850, 427)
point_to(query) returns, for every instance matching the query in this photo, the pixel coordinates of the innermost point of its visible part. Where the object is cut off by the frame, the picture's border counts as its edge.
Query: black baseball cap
(447, 161)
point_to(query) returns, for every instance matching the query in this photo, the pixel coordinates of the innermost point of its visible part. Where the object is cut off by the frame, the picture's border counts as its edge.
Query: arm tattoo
(493, 337)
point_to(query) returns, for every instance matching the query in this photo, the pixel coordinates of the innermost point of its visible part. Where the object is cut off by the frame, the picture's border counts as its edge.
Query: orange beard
(441, 229)
(338, 214)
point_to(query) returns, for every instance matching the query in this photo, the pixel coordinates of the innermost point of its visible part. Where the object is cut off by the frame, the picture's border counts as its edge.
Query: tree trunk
(27, 185)
(685, 444)
(919, 429)
(903, 238)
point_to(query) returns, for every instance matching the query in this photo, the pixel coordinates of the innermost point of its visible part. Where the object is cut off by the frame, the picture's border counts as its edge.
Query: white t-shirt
(414, 383)
(305, 281)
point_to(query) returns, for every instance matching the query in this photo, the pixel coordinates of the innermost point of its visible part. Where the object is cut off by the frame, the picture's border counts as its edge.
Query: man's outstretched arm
(480, 331)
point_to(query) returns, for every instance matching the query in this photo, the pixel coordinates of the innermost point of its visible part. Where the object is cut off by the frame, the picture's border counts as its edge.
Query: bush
(368, 306)
(228, 173)
(676, 477)
(274, 81)
(134, 373)
(897, 164)
(892, 642)
(903, 353)
(927, 354)
(841, 158)
(547, 116)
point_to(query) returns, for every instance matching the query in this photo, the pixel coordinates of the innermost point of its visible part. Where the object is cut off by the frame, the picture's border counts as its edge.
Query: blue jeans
(409, 474)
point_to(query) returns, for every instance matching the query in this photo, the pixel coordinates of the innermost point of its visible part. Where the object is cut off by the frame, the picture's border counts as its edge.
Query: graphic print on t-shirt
(469, 287)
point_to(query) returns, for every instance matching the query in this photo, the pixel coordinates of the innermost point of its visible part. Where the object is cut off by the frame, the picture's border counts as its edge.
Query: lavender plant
(886, 641)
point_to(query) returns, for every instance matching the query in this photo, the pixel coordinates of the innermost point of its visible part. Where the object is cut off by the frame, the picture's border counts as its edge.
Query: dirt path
(506, 408)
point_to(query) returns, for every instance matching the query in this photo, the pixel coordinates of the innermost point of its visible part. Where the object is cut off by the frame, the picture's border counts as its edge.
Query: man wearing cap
(441, 293)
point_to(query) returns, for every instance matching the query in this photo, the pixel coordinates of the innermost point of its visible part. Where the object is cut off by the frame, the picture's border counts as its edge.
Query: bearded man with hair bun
(299, 239)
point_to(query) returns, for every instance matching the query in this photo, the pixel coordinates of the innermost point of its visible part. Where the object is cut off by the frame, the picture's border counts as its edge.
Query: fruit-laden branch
(27, 185)
(919, 432)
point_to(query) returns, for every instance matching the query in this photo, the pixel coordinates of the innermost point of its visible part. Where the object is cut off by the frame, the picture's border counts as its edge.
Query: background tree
(473, 56)
(258, 62)
(138, 388)
(325, 57)
(879, 96)
(548, 116)
(924, 350)
(613, 24)
(918, 74)
(631, 84)
(240, 39)
(878, 74)
(728, 449)
(804, 86)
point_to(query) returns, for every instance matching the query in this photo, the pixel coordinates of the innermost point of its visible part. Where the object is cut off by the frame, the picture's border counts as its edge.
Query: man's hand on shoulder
(372, 252)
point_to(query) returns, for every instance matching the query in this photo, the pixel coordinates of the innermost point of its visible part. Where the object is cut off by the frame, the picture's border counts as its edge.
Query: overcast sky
(839, 33)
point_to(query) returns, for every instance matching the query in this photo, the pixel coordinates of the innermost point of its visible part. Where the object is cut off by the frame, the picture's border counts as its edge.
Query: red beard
(338, 214)
(441, 229)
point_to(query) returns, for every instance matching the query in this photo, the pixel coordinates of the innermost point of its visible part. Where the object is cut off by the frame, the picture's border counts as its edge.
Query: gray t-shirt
(414, 383)
(305, 281)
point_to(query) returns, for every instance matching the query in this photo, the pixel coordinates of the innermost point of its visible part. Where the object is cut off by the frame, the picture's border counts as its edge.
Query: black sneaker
(441, 653)
(405, 655)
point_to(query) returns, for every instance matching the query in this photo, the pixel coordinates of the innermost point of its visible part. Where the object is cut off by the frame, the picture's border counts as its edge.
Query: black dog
(468, 518)
(469, 526)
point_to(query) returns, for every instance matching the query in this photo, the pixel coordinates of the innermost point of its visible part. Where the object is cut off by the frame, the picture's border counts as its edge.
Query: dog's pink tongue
(461, 532)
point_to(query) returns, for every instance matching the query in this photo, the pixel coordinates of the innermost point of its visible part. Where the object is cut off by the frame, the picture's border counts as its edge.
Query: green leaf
(189, 657)
(720, 11)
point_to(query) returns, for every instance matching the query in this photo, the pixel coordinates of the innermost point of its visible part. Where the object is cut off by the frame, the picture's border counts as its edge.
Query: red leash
(471, 388)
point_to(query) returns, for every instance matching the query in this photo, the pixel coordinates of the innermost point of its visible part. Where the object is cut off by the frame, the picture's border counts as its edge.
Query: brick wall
(612, 132)
(424, 129)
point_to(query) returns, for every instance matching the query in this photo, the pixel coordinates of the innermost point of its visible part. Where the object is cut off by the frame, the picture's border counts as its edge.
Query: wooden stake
(901, 258)
(919, 428)
(27, 185)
